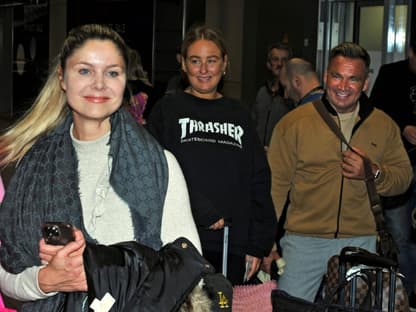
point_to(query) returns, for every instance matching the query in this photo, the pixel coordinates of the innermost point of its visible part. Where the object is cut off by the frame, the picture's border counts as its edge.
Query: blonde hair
(50, 107)
(48, 110)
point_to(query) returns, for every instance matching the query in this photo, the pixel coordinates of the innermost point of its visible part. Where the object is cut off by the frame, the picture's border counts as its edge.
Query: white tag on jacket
(103, 305)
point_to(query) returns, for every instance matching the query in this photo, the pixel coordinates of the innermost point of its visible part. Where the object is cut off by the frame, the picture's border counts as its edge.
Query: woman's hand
(254, 267)
(65, 266)
(218, 225)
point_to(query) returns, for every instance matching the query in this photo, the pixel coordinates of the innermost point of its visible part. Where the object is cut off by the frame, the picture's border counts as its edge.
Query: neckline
(315, 90)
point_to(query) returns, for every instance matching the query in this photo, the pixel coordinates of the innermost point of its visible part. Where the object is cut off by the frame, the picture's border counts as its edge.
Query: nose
(204, 67)
(343, 84)
(99, 81)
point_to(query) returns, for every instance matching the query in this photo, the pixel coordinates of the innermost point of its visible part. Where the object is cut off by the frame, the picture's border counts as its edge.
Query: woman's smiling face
(94, 80)
(204, 65)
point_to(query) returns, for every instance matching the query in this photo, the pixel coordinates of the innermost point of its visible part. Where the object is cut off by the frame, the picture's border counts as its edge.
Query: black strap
(369, 177)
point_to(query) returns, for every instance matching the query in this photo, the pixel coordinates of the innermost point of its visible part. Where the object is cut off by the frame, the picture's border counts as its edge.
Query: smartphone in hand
(57, 233)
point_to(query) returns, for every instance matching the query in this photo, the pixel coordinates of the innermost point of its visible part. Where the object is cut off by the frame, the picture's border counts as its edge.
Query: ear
(224, 67)
(183, 66)
(366, 83)
(61, 78)
(269, 65)
(297, 81)
(325, 77)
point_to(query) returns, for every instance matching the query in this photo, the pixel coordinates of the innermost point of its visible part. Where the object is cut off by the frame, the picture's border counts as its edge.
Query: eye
(335, 76)
(113, 73)
(84, 71)
(212, 60)
(195, 61)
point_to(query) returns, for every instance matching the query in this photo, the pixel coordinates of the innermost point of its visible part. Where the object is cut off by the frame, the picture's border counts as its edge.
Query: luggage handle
(356, 255)
(227, 224)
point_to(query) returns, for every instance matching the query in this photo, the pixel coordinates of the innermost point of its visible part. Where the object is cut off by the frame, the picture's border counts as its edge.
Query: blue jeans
(306, 261)
(399, 223)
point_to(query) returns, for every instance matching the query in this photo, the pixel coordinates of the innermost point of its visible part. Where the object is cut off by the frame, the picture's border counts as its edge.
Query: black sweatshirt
(225, 168)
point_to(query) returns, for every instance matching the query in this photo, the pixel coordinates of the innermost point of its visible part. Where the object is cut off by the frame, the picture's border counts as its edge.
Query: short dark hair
(351, 50)
(279, 46)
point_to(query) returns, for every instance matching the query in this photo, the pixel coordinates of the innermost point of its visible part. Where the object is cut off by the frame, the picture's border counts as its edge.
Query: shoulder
(301, 114)
(262, 91)
(380, 117)
(299, 121)
(394, 68)
(171, 160)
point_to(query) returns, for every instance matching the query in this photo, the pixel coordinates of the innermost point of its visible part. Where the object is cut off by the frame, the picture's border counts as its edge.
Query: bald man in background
(300, 81)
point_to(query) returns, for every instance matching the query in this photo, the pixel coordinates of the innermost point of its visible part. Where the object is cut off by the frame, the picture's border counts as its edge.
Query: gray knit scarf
(45, 188)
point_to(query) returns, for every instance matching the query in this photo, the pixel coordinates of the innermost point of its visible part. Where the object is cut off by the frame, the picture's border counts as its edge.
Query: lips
(204, 78)
(97, 99)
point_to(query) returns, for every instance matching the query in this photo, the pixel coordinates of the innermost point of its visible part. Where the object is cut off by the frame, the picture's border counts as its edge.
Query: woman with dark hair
(222, 159)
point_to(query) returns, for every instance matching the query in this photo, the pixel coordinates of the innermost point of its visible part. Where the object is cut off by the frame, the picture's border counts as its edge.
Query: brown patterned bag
(364, 269)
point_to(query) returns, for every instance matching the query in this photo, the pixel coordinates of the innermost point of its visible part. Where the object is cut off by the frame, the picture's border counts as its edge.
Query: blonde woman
(82, 159)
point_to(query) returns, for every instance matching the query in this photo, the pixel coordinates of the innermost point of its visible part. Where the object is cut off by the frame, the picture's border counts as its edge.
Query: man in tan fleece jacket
(329, 206)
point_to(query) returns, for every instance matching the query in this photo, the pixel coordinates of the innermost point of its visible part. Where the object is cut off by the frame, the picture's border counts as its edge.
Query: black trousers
(235, 265)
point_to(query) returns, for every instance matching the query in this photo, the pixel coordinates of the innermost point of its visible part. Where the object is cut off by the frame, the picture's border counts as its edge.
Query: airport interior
(32, 31)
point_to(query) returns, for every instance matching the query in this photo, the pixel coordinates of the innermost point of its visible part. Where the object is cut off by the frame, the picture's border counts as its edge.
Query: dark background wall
(155, 28)
(266, 22)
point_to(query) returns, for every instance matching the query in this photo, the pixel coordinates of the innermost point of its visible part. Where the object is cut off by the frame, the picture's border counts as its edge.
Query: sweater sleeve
(263, 226)
(23, 286)
(282, 160)
(177, 219)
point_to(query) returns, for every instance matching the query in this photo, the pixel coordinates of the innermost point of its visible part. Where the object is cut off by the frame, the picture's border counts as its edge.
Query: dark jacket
(394, 92)
(138, 276)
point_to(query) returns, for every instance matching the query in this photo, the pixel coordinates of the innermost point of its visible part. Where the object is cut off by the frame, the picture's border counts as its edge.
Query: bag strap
(386, 244)
(369, 177)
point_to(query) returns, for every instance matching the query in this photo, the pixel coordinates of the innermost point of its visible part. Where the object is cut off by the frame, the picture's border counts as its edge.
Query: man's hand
(353, 164)
(409, 132)
(267, 261)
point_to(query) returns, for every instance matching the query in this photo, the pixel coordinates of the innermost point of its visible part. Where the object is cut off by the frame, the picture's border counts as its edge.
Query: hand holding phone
(249, 263)
(57, 233)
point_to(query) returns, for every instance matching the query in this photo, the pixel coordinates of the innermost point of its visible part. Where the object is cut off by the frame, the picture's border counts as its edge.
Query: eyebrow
(209, 56)
(92, 65)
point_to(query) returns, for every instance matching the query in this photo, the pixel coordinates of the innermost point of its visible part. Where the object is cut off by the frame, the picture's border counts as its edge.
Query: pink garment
(248, 298)
(1, 191)
(3, 308)
(138, 106)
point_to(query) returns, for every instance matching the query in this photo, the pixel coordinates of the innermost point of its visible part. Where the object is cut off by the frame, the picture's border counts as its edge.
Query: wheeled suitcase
(360, 279)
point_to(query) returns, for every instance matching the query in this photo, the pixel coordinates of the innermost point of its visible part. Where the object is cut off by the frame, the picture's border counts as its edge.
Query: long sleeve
(22, 286)
(264, 221)
(281, 157)
(177, 217)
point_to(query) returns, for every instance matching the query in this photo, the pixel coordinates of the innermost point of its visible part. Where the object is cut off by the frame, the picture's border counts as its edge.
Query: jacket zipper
(355, 127)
